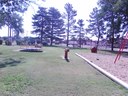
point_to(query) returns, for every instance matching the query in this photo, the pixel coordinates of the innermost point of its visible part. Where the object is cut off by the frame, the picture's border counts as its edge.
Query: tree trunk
(41, 37)
(112, 46)
(42, 30)
(51, 35)
(8, 32)
(97, 44)
(80, 38)
(17, 35)
(99, 33)
(10, 35)
(68, 32)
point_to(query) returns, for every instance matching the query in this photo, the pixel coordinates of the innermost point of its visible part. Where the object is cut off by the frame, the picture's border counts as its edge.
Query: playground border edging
(122, 83)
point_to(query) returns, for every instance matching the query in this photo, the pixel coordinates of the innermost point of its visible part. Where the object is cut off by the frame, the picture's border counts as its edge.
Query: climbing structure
(122, 46)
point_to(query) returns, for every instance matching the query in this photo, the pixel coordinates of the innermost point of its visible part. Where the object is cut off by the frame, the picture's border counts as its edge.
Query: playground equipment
(123, 43)
(31, 48)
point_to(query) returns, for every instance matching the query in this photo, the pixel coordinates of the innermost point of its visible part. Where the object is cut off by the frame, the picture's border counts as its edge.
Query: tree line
(10, 11)
(109, 18)
(50, 23)
(47, 22)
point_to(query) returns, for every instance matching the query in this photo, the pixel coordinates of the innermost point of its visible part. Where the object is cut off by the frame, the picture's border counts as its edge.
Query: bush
(94, 50)
(1, 42)
(7, 42)
(18, 42)
(45, 43)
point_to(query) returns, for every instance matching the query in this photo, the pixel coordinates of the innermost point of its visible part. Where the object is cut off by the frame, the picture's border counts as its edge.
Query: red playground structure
(123, 43)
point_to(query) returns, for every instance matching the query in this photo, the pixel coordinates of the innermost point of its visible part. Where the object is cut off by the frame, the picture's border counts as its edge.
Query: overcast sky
(83, 8)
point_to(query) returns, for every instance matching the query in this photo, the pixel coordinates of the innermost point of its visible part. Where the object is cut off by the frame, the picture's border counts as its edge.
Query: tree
(2, 23)
(48, 23)
(16, 24)
(96, 25)
(121, 8)
(10, 7)
(115, 16)
(69, 16)
(56, 23)
(40, 22)
(79, 30)
(111, 17)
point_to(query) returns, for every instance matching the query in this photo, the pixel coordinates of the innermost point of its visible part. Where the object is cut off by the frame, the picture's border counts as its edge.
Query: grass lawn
(47, 74)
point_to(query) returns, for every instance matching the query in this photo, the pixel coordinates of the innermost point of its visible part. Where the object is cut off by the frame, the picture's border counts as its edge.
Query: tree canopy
(96, 24)
(9, 14)
(69, 16)
(114, 17)
(79, 30)
(48, 23)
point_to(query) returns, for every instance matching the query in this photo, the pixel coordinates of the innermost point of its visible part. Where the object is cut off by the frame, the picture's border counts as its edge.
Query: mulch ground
(106, 62)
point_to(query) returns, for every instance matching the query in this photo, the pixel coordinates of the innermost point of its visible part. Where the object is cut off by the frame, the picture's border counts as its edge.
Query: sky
(83, 8)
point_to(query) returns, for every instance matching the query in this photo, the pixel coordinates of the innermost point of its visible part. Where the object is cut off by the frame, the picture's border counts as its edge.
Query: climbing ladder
(123, 43)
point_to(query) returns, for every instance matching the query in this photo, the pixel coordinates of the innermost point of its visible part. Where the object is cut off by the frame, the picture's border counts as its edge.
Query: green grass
(14, 83)
(47, 74)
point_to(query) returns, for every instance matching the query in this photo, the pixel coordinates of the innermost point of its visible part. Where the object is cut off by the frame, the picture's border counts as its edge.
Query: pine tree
(96, 25)
(69, 16)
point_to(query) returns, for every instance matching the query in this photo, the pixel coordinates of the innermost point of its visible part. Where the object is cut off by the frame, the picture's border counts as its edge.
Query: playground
(105, 60)
(47, 74)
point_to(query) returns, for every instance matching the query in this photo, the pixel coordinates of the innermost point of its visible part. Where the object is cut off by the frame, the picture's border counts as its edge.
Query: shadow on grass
(10, 62)
(67, 60)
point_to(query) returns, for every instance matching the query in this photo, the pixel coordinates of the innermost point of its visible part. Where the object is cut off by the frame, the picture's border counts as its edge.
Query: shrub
(1, 42)
(94, 50)
(7, 42)
(18, 42)
(45, 43)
